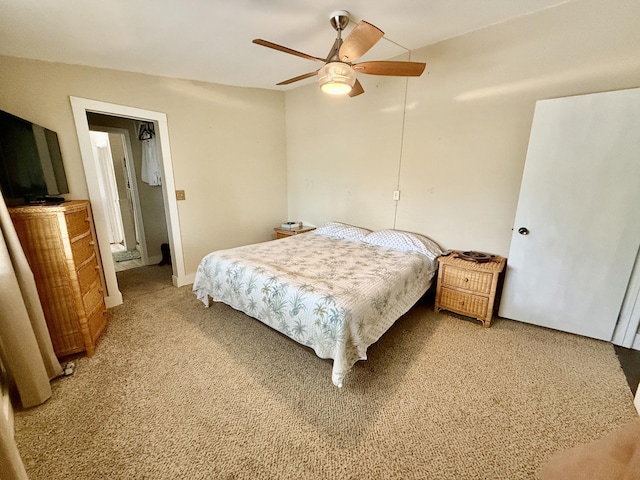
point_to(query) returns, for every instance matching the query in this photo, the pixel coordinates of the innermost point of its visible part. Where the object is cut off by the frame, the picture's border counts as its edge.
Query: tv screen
(31, 168)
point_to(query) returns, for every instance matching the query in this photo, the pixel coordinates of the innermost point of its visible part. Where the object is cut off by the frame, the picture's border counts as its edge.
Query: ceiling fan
(338, 74)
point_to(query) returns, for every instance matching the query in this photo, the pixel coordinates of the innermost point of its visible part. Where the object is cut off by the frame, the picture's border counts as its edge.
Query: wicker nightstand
(467, 287)
(283, 233)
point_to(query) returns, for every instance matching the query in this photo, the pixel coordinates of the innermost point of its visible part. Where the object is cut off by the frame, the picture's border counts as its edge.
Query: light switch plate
(180, 195)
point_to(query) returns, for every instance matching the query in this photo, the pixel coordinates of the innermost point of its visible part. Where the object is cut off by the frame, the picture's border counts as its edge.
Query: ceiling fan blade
(356, 90)
(280, 48)
(399, 69)
(299, 77)
(359, 41)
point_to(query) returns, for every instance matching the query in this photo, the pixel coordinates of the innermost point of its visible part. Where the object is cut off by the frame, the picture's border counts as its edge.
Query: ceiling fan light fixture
(336, 78)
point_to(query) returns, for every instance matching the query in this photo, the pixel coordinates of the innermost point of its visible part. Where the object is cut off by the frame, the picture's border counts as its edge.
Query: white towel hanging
(151, 169)
(151, 172)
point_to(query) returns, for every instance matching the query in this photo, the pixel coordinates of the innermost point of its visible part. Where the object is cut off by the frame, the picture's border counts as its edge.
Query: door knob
(523, 231)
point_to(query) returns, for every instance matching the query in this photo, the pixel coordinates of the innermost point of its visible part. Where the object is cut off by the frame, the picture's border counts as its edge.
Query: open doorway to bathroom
(112, 149)
(160, 213)
(133, 204)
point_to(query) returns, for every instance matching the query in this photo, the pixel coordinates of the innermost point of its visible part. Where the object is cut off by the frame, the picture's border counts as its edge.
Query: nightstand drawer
(465, 303)
(474, 281)
(284, 233)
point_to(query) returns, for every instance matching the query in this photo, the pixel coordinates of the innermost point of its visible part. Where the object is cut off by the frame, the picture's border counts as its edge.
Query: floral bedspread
(336, 296)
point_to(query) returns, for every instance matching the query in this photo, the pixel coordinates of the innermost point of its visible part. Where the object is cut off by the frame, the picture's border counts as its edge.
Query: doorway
(113, 151)
(81, 107)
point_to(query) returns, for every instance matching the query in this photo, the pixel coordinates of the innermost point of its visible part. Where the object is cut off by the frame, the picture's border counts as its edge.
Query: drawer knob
(462, 303)
(92, 242)
(466, 279)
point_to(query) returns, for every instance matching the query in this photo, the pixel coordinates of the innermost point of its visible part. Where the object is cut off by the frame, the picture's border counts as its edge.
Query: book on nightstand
(291, 225)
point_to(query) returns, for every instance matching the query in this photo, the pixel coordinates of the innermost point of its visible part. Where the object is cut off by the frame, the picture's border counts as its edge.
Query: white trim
(626, 332)
(80, 107)
(636, 400)
(154, 260)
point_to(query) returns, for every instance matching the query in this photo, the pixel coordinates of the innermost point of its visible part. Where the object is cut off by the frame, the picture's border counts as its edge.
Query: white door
(108, 185)
(577, 226)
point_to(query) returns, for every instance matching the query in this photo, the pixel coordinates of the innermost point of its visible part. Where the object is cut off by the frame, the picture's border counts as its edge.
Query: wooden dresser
(467, 287)
(61, 248)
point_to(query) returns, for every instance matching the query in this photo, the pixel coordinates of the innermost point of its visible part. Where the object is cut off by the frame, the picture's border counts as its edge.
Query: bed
(337, 289)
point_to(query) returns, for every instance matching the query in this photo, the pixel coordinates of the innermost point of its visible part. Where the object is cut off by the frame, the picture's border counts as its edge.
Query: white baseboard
(636, 401)
(154, 260)
(186, 280)
(113, 300)
(636, 342)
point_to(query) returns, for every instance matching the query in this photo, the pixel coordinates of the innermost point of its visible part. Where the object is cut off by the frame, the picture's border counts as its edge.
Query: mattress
(334, 295)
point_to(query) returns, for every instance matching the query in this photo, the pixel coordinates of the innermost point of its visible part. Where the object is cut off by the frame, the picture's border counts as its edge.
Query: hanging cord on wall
(404, 115)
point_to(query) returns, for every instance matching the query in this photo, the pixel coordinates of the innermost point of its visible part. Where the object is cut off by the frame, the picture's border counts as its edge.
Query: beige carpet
(177, 391)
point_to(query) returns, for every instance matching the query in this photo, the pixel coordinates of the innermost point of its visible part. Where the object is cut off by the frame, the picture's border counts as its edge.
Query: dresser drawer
(473, 281)
(93, 297)
(77, 223)
(96, 322)
(88, 274)
(82, 249)
(465, 303)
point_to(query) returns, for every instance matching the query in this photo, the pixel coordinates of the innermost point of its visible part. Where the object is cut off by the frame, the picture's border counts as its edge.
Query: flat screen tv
(31, 168)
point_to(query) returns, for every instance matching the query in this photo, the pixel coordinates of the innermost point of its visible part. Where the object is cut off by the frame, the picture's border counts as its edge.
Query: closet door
(577, 226)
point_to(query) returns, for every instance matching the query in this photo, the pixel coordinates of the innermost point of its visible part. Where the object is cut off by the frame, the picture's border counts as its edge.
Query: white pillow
(342, 230)
(405, 241)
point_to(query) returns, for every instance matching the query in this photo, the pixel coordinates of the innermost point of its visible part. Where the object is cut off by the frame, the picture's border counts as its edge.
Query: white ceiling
(210, 40)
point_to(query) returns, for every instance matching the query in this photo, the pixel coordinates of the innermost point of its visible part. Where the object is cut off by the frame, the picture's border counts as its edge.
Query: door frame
(131, 172)
(80, 107)
(627, 332)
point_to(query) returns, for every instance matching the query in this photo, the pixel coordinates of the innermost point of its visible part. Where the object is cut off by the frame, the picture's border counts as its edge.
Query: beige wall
(466, 128)
(227, 143)
(456, 152)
